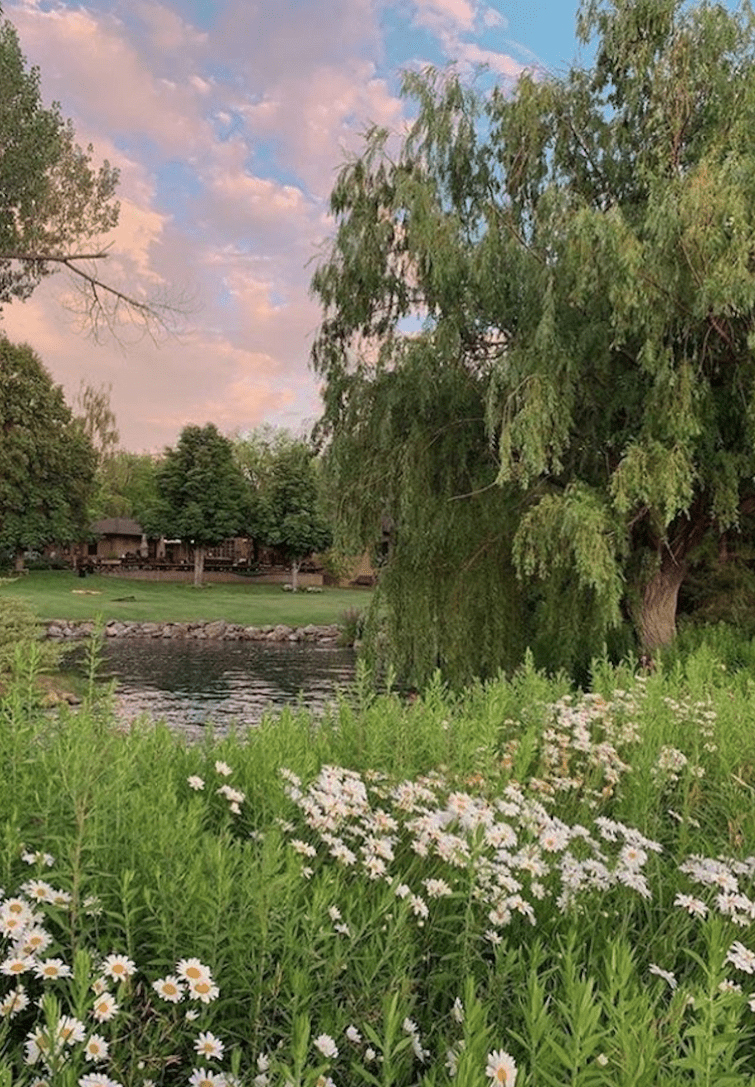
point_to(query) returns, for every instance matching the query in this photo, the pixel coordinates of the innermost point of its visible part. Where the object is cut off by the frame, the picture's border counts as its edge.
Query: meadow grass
(516, 883)
(59, 594)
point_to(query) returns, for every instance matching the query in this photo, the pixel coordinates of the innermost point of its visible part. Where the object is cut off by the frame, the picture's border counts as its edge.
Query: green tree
(126, 486)
(580, 257)
(47, 462)
(55, 204)
(287, 508)
(202, 495)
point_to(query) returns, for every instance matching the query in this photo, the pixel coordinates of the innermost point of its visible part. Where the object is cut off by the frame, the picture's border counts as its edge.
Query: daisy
(695, 907)
(169, 988)
(203, 990)
(105, 1007)
(60, 898)
(741, 957)
(96, 1048)
(436, 888)
(192, 970)
(16, 964)
(70, 1030)
(96, 1079)
(326, 1045)
(207, 1045)
(14, 1002)
(38, 890)
(34, 940)
(118, 967)
(203, 1077)
(501, 1068)
(52, 968)
(39, 858)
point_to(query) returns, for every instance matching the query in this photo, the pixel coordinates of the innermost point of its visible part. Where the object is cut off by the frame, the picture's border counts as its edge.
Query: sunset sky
(228, 120)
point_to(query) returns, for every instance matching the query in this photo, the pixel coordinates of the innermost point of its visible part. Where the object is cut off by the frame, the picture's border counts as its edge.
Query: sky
(228, 121)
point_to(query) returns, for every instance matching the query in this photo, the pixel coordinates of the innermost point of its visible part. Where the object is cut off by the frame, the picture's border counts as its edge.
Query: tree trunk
(19, 563)
(199, 551)
(295, 575)
(658, 609)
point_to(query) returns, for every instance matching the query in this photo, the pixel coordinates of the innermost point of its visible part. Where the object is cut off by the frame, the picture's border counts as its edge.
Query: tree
(47, 463)
(202, 496)
(55, 205)
(580, 255)
(126, 486)
(287, 506)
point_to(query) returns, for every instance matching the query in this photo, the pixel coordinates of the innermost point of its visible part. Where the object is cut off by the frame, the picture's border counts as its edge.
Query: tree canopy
(285, 493)
(202, 495)
(538, 339)
(56, 204)
(47, 462)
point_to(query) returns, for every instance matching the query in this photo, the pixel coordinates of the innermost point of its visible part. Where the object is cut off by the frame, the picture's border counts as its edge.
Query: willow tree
(556, 287)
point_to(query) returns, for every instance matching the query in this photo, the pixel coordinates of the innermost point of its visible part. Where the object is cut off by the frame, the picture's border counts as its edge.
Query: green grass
(58, 595)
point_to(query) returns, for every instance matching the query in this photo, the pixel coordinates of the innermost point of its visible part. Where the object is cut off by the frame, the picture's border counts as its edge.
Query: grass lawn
(58, 595)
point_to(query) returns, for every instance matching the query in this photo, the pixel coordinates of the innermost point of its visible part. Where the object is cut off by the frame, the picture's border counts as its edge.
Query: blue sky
(228, 120)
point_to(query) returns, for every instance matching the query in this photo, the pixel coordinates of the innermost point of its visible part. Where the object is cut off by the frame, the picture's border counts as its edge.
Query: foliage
(561, 278)
(287, 504)
(127, 485)
(19, 628)
(46, 461)
(202, 496)
(396, 894)
(56, 204)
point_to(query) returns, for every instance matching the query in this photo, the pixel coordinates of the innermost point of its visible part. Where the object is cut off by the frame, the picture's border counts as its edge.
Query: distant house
(117, 537)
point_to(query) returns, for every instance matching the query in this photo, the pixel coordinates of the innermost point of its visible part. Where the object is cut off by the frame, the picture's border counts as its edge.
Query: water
(189, 684)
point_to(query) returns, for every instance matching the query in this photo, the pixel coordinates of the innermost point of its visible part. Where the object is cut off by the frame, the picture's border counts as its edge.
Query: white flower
(16, 964)
(14, 1002)
(170, 988)
(457, 1011)
(353, 1035)
(741, 957)
(665, 974)
(105, 1007)
(52, 968)
(203, 1077)
(70, 1030)
(207, 1045)
(195, 782)
(326, 1045)
(436, 888)
(96, 1048)
(223, 768)
(203, 990)
(118, 967)
(501, 1068)
(192, 970)
(694, 906)
(96, 1079)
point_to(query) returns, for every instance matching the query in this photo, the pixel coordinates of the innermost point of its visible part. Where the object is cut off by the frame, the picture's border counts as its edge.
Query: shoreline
(201, 630)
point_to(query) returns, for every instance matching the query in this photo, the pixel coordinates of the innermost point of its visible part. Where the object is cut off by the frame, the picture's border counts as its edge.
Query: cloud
(108, 84)
(228, 137)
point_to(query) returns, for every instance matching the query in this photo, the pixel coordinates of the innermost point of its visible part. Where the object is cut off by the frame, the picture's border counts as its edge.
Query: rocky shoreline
(217, 630)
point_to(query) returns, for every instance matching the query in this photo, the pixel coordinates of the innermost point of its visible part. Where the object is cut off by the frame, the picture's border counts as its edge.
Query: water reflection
(189, 684)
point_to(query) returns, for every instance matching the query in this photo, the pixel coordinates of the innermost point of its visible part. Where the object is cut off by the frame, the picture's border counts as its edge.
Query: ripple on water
(191, 684)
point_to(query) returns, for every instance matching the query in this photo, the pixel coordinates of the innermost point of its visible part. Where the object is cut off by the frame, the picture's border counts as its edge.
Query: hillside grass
(520, 881)
(61, 595)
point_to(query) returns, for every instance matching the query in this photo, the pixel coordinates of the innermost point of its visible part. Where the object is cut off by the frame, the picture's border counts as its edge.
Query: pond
(190, 684)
